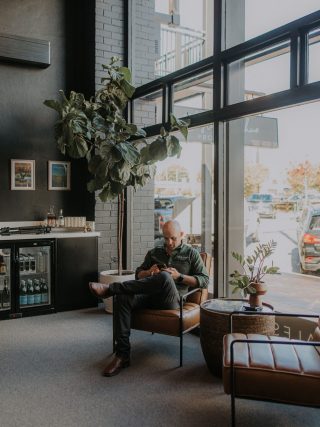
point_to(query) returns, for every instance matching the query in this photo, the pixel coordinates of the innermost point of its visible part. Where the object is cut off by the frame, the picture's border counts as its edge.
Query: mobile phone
(161, 266)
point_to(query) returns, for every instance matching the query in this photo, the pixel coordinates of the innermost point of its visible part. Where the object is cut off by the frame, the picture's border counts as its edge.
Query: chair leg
(181, 349)
(233, 410)
(114, 302)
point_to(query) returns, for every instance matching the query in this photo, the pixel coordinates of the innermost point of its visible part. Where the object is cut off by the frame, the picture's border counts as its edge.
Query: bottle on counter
(23, 297)
(61, 218)
(5, 295)
(3, 265)
(51, 217)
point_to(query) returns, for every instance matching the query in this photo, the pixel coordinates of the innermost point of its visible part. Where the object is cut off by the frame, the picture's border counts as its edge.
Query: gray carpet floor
(50, 370)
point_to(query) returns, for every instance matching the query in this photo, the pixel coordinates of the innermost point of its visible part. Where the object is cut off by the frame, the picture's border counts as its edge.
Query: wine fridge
(26, 278)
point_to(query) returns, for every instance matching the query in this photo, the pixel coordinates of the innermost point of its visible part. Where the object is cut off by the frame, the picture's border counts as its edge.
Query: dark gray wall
(26, 125)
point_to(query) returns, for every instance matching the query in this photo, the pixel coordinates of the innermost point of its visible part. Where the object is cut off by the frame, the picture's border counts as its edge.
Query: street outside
(304, 289)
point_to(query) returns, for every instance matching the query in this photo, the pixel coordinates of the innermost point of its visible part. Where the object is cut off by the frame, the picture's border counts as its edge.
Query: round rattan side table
(215, 323)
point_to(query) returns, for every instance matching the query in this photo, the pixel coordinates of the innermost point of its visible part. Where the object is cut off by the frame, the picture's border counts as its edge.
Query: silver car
(309, 240)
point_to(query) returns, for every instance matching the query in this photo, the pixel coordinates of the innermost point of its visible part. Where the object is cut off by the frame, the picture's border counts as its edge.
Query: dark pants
(157, 292)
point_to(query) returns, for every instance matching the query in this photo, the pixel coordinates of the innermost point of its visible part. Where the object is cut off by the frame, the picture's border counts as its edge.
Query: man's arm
(199, 271)
(147, 268)
(154, 269)
(198, 277)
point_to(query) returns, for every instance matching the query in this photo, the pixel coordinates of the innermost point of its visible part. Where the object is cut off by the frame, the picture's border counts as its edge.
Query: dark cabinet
(76, 266)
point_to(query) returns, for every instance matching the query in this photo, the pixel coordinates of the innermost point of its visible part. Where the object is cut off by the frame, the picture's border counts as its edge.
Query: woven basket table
(215, 323)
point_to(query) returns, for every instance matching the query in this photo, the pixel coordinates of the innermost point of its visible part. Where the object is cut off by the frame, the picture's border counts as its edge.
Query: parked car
(263, 204)
(309, 239)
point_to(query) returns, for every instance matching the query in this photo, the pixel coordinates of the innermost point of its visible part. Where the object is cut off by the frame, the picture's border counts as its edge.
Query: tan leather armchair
(174, 322)
(272, 368)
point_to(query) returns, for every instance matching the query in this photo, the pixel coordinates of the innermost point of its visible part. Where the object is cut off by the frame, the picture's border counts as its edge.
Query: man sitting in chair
(166, 273)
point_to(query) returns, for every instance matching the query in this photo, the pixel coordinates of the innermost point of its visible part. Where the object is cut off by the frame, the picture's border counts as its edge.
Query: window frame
(300, 92)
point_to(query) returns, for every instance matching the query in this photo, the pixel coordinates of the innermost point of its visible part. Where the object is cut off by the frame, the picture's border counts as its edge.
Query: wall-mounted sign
(261, 132)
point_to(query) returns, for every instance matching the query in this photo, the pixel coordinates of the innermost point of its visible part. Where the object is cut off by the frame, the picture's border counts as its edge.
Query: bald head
(172, 234)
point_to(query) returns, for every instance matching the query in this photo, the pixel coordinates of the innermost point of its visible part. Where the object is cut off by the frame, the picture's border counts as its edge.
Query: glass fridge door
(34, 276)
(5, 279)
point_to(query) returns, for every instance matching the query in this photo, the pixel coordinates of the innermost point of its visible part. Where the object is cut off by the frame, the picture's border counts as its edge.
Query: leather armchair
(174, 322)
(272, 368)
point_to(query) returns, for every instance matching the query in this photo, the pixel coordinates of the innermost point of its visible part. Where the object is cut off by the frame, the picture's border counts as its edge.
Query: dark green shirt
(184, 259)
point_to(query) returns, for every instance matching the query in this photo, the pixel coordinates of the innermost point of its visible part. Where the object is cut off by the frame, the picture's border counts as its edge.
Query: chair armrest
(183, 297)
(260, 313)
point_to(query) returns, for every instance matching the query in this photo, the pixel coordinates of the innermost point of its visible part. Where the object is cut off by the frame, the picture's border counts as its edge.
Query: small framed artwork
(22, 174)
(59, 175)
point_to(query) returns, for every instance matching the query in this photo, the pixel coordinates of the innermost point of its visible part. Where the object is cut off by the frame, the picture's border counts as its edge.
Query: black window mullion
(169, 99)
(164, 104)
(303, 65)
(225, 84)
(294, 55)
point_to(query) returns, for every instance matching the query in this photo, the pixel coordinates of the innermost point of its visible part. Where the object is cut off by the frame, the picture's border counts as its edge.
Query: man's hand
(174, 273)
(154, 269)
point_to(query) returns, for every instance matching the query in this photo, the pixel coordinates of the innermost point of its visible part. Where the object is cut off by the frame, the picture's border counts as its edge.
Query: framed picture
(22, 174)
(59, 175)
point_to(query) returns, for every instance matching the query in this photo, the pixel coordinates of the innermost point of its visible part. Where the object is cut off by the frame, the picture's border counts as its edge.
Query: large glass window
(246, 19)
(261, 73)
(148, 109)
(314, 56)
(278, 197)
(169, 35)
(183, 190)
(193, 95)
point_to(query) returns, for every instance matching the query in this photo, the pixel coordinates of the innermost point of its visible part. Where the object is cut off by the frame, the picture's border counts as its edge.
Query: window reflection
(183, 190)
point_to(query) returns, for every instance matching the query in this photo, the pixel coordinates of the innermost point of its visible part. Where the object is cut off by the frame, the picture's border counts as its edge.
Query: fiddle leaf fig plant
(118, 153)
(253, 268)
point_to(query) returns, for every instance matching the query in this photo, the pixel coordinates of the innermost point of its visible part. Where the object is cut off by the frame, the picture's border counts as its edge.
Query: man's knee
(166, 278)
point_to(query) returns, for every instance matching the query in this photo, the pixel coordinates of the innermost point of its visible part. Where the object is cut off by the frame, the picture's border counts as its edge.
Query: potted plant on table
(118, 153)
(249, 279)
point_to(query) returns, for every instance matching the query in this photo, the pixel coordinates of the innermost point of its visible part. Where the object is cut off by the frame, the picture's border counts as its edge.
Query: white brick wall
(110, 42)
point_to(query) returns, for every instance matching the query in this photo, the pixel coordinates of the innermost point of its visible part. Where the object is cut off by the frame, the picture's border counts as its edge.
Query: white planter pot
(110, 276)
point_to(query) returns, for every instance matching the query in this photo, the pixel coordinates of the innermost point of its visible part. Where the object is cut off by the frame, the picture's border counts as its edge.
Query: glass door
(35, 275)
(5, 280)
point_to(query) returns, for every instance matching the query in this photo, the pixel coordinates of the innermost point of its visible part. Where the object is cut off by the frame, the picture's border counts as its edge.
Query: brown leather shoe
(100, 290)
(114, 367)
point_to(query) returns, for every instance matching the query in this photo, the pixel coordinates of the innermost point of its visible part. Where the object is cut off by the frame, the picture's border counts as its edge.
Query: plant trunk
(120, 230)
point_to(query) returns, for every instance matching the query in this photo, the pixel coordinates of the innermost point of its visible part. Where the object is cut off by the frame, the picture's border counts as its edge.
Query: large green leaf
(94, 163)
(129, 152)
(127, 88)
(51, 103)
(173, 146)
(158, 150)
(126, 73)
(78, 148)
(120, 173)
(95, 184)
